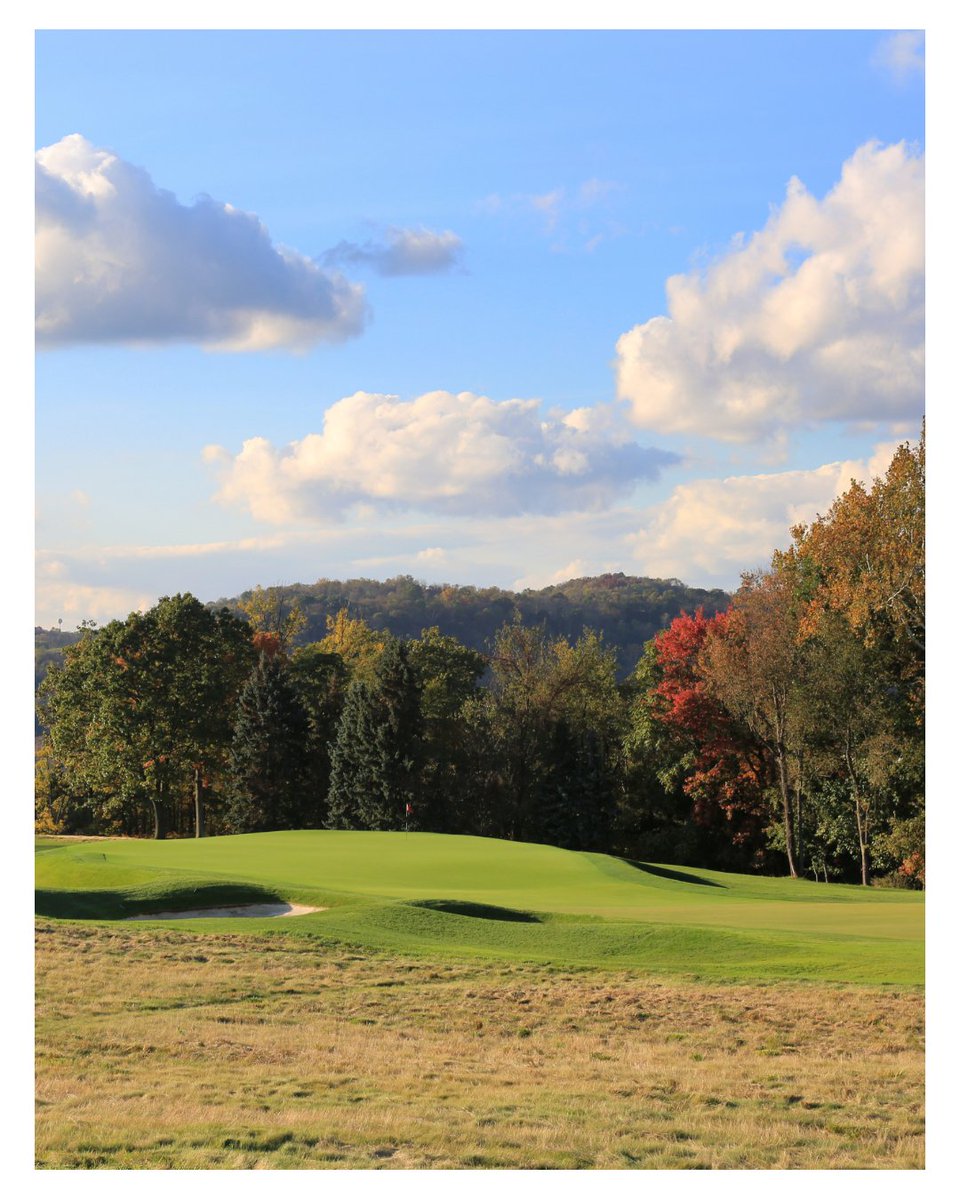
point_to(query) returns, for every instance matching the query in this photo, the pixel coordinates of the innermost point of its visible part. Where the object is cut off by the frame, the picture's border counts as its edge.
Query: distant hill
(627, 609)
(48, 646)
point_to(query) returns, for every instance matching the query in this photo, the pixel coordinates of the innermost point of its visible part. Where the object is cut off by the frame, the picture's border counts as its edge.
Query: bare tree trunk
(198, 800)
(859, 813)
(787, 815)
(798, 834)
(160, 822)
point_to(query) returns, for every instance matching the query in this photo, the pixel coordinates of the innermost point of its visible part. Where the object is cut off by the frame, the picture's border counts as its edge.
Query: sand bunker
(236, 910)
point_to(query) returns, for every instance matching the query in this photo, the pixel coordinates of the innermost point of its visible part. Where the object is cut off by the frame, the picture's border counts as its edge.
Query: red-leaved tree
(726, 779)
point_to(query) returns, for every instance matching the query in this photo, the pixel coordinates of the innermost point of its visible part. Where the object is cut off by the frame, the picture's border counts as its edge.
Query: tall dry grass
(178, 1049)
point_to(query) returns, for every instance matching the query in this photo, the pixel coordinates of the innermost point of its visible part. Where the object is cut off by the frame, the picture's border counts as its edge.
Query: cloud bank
(120, 260)
(404, 252)
(705, 533)
(816, 317)
(442, 453)
(710, 530)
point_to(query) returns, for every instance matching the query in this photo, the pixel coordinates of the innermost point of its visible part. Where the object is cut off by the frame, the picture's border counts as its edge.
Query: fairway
(457, 896)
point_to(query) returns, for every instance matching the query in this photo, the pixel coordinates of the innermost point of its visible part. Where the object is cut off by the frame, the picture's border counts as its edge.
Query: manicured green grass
(446, 896)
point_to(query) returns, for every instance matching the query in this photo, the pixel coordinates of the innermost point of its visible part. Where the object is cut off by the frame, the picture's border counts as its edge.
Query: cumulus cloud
(120, 260)
(816, 317)
(443, 453)
(710, 530)
(901, 55)
(404, 252)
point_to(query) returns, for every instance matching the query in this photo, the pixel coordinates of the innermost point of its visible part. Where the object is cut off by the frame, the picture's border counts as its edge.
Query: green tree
(268, 773)
(140, 710)
(320, 680)
(448, 673)
(852, 727)
(375, 772)
(537, 683)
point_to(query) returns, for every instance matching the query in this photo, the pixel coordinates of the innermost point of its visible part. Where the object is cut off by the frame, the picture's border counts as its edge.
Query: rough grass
(175, 1047)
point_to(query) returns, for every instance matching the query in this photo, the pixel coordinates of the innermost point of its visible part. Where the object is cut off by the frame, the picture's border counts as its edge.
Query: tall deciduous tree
(755, 670)
(537, 683)
(141, 709)
(721, 763)
(273, 616)
(320, 680)
(869, 554)
(355, 642)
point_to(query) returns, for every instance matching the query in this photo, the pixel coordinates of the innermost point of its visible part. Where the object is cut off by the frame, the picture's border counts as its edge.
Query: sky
(481, 307)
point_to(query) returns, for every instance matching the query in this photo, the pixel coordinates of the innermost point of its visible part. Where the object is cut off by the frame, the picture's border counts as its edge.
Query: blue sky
(479, 229)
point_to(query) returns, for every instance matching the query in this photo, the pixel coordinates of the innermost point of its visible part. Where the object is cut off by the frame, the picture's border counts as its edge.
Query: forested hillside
(628, 610)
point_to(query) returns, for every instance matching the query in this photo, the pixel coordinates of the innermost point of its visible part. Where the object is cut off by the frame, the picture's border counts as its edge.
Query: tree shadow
(669, 873)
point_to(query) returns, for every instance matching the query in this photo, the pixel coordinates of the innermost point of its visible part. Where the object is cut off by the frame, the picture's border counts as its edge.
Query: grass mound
(485, 912)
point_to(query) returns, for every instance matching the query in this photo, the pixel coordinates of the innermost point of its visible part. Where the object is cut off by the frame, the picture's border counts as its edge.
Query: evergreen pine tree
(375, 760)
(396, 803)
(577, 793)
(354, 771)
(267, 773)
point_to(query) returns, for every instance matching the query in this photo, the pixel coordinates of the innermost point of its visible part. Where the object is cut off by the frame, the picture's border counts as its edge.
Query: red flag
(409, 809)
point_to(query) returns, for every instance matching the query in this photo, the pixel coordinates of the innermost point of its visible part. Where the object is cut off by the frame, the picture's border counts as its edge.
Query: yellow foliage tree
(357, 644)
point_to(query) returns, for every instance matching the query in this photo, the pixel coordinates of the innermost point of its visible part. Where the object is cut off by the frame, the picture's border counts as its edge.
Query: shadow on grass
(470, 908)
(114, 905)
(676, 876)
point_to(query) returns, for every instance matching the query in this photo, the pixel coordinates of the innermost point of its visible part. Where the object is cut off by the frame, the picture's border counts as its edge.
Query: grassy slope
(505, 900)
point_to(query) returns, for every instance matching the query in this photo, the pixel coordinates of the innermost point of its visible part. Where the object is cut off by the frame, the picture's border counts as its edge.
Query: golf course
(458, 1002)
(446, 895)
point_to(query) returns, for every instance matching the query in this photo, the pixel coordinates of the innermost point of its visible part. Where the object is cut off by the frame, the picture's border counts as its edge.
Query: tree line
(782, 733)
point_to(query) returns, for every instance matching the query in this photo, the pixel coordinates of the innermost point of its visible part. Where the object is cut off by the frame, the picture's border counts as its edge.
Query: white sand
(237, 910)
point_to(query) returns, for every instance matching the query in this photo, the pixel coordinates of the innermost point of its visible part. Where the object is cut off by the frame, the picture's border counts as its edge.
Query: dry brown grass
(178, 1049)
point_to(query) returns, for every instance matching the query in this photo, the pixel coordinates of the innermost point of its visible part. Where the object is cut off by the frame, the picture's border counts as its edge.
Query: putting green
(451, 895)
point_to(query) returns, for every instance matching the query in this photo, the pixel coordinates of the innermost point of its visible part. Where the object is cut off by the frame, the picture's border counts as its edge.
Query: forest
(779, 730)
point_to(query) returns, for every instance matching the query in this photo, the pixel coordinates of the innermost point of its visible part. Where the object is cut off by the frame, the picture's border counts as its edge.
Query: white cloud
(61, 597)
(404, 252)
(120, 260)
(816, 317)
(710, 530)
(901, 54)
(442, 452)
(577, 568)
